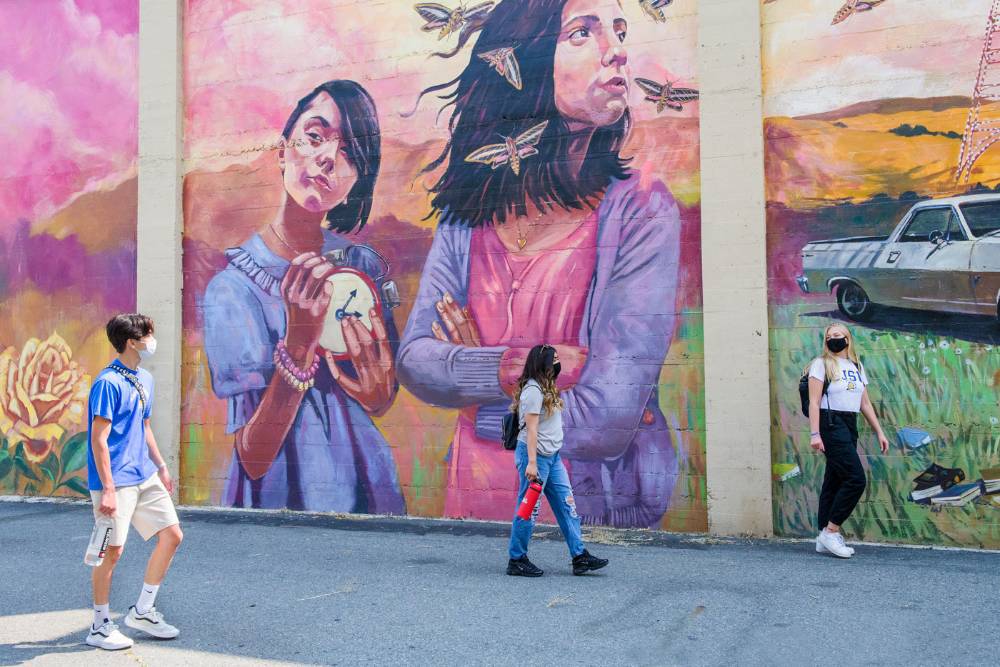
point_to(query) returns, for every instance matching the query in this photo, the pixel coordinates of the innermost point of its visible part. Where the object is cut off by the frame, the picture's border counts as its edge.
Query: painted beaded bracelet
(298, 378)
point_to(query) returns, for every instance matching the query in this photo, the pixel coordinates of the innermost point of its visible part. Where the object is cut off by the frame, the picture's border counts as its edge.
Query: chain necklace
(281, 238)
(522, 238)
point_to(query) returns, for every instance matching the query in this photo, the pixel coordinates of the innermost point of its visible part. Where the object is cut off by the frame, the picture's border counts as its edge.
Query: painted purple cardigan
(623, 462)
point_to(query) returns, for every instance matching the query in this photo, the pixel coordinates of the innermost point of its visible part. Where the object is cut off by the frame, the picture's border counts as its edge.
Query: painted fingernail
(440, 306)
(447, 297)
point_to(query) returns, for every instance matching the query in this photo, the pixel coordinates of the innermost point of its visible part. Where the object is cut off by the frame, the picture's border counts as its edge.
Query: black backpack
(509, 430)
(804, 392)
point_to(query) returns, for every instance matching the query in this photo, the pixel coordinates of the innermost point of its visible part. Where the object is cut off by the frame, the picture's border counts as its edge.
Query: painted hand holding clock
(341, 333)
(313, 360)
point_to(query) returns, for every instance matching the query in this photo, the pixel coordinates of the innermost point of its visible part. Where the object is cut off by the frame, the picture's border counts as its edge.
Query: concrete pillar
(158, 265)
(737, 376)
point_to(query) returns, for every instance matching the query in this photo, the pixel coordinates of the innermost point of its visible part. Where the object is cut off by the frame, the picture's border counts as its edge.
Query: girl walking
(537, 459)
(837, 393)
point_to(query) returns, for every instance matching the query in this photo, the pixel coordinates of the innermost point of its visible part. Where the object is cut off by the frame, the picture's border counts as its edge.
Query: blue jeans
(559, 493)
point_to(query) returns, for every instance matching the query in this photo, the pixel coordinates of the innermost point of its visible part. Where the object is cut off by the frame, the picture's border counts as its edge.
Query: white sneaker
(151, 623)
(108, 638)
(820, 549)
(834, 543)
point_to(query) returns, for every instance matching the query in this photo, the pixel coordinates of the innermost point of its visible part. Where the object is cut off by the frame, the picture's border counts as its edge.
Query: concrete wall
(864, 117)
(620, 291)
(736, 359)
(847, 120)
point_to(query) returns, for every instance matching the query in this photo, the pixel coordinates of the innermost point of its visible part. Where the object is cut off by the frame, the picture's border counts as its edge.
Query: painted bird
(852, 7)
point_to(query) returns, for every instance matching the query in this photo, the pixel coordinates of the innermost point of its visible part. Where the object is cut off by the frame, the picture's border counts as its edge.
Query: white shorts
(146, 506)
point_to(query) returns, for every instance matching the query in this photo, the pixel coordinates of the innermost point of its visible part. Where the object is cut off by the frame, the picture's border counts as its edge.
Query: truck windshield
(983, 217)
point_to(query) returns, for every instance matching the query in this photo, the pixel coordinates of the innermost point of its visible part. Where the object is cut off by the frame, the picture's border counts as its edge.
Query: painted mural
(387, 206)
(883, 213)
(68, 134)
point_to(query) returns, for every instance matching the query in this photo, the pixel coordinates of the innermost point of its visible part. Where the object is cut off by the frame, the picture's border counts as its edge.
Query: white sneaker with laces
(108, 638)
(820, 549)
(834, 543)
(151, 623)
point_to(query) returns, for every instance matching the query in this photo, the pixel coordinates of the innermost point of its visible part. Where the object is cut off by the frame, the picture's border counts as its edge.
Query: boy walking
(128, 480)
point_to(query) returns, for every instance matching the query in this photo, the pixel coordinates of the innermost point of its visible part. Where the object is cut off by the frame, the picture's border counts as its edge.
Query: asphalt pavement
(281, 588)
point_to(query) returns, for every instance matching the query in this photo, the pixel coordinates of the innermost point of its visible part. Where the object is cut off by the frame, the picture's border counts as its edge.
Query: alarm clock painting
(299, 327)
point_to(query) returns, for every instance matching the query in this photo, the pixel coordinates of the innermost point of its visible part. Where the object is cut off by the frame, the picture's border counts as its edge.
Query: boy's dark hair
(128, 326)
(363, 142)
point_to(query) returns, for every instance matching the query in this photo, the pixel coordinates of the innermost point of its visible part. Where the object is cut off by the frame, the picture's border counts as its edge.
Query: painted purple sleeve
(240, 365)
(632, 329)
(434, 371)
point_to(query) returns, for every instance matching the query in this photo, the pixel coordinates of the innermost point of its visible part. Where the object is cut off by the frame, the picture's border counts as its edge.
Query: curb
(474, 528)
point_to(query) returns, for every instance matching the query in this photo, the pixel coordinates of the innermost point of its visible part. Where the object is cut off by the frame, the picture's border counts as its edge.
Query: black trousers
(844, 481)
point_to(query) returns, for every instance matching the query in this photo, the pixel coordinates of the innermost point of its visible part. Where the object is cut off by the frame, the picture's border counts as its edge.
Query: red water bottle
(529, 501)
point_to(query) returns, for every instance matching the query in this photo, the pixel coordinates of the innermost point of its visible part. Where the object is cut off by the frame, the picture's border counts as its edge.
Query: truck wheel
(854, 302)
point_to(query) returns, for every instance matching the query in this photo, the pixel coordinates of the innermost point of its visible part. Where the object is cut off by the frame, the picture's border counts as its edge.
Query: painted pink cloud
(69, 81)
(249, 61)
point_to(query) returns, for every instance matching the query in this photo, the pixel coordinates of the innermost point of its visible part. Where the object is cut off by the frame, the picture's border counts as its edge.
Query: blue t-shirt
(117, 400)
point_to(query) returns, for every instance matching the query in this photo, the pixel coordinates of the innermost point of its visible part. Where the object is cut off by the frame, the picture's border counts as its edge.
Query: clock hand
(341, 312)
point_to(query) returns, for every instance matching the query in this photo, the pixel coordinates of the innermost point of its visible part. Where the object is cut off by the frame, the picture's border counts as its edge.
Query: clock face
(354, 295)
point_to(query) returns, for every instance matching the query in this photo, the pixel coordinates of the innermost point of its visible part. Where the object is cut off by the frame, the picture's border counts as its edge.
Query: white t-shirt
(844, 394)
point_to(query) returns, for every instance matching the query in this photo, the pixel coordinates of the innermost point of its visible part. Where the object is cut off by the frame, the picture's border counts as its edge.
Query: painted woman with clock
(299, 337)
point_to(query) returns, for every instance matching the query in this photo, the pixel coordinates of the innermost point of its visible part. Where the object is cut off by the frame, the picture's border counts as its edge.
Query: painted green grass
(945, 386)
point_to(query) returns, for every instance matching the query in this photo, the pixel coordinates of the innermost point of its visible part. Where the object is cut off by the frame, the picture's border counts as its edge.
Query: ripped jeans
(559, 493)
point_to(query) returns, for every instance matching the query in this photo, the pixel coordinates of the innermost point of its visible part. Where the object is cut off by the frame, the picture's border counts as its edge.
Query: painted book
(957, 496)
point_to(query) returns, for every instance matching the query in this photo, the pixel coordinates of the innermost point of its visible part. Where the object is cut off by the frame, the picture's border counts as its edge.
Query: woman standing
(537, 459)
(552, 238)
(304, 437)
(837, 393)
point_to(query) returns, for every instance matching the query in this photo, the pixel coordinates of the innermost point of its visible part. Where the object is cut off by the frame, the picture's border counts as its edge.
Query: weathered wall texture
(68, 81)
(866, 115)
(619, 290)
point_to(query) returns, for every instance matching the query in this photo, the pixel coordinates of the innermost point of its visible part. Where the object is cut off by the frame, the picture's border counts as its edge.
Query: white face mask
(150, 349)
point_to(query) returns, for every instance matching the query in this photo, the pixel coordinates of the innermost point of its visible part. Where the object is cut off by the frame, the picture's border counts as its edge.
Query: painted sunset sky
(901, 48)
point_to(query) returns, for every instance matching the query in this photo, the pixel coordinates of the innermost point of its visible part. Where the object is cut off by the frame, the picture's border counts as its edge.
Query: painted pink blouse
(516, 300)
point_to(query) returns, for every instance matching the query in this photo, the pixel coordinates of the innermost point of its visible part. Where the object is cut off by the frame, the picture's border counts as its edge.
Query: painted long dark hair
(363, 142)
(486, 108)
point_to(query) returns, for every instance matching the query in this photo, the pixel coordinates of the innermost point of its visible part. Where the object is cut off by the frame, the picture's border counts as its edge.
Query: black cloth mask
(556, 367)
(836, 345)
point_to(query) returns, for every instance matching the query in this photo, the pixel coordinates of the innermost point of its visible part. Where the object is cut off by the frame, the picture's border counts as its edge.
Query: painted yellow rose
(42, 394)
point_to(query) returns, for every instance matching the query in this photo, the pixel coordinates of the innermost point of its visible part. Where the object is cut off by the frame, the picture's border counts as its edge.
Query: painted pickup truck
(944, 255)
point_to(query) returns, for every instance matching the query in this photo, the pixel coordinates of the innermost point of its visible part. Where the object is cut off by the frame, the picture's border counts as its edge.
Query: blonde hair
(830, 359)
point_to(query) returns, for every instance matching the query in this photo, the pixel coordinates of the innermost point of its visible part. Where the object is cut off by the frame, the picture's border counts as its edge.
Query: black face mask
(836, 345)
(556, 367)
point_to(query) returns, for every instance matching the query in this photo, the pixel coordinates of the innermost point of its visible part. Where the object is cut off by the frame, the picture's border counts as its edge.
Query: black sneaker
(585, 563)
(522, 567)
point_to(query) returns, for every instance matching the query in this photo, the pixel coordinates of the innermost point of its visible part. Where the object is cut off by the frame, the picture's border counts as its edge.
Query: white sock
(147, 596)
(102, 614)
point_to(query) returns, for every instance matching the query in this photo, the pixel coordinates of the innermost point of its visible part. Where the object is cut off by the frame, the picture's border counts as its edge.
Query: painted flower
(927, 371)
(994, 421)
(944, 345)
(911, 358)
(42, 394)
